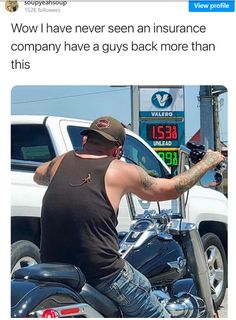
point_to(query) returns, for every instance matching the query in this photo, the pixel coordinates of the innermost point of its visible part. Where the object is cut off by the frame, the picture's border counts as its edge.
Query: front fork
(197, 264)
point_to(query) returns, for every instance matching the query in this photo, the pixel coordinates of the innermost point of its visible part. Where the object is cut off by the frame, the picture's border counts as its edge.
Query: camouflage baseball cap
(109, 128)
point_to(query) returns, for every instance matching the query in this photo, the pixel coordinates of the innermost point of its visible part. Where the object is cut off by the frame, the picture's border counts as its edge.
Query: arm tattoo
(146, 180)
(188, 179)
(210, 160)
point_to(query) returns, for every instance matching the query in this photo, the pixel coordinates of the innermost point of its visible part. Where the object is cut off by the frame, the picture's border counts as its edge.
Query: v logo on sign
(162, 99)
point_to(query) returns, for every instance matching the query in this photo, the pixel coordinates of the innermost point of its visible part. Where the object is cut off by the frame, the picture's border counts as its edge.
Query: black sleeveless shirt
(78, 222)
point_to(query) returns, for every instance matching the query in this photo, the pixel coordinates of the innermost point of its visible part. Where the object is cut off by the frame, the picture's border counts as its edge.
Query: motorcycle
(167, 250)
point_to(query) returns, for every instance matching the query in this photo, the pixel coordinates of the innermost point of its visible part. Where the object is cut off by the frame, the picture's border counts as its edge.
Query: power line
(70, 96)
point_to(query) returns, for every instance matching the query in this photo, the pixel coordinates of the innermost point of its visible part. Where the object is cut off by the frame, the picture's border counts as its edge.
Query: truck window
(136, 151)
(31, 143)
(75, 137)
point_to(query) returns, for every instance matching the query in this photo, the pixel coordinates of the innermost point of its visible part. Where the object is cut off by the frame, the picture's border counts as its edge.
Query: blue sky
(89, 102)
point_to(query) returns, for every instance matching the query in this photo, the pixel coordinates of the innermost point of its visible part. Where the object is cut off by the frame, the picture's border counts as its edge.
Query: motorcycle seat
(69, 275)
(100, 302)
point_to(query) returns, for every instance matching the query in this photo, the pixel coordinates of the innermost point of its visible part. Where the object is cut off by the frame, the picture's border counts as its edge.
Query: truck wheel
(23, 254)
(217, 266)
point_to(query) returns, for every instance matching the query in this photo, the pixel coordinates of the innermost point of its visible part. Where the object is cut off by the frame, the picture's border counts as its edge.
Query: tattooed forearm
(188, 179)
(44, 178)
(146, 180)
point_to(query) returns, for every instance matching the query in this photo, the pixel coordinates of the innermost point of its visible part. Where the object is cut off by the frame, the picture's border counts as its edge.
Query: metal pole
(206, 117)
(135, 107)
(216, 120)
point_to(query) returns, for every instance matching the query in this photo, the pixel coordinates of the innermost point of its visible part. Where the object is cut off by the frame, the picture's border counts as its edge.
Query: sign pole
(135, 107)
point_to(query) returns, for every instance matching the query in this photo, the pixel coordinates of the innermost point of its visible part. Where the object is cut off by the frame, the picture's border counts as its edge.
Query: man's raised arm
(154, 189)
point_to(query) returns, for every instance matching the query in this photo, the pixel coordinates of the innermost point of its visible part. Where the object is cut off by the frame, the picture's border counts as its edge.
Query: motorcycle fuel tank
(161, 261)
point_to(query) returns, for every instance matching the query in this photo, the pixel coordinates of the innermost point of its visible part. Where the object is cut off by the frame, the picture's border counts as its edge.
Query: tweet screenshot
(118, 117)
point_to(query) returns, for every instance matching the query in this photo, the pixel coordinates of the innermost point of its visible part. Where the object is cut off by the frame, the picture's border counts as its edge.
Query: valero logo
(162, 99)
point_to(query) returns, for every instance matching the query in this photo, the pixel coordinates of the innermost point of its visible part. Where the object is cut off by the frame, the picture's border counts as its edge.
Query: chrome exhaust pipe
(182, 309)
(188, 306)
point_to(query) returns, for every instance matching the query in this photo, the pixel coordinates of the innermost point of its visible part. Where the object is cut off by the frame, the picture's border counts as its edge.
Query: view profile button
(211, 6)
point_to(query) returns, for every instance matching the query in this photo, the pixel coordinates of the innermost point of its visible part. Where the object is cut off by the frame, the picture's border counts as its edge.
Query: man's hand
(188, 179)
(213, 158)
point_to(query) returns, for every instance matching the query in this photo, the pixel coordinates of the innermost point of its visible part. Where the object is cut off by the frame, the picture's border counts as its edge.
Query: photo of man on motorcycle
(80, 209)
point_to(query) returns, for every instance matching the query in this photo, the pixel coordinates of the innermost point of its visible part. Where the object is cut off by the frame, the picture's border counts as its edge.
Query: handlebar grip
(196, 155)
(194, 145)
(222, 166)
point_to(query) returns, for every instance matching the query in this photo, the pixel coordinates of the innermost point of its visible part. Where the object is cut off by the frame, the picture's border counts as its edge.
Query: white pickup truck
(37, 139)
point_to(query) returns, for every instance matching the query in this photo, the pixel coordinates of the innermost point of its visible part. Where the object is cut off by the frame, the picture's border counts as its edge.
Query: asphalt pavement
(223, 311)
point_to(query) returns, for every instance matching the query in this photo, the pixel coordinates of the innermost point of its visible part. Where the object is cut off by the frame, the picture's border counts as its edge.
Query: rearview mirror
(211, 178)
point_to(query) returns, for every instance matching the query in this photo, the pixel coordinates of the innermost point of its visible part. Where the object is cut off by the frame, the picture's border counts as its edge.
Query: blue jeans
(132, 291)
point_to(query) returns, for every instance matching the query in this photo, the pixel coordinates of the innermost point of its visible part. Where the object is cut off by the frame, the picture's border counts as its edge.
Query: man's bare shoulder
(120, 175)
(123, 171)
(45, 172)
(55, 163)
(121, 166)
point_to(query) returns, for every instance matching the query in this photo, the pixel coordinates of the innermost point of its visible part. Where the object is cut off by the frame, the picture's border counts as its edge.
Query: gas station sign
(159, 133)
(161, 120)
(169, 155)
(162, 102)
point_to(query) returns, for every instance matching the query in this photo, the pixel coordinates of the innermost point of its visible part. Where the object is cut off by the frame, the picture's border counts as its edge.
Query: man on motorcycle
(80, 208)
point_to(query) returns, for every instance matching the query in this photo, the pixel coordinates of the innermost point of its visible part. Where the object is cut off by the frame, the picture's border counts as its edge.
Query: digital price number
(163, 132)
(171, 157)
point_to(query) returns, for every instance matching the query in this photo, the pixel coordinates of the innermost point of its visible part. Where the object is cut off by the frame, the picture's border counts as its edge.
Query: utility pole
(206, 117)
(216, 121)
(209, 116)
(216, 91)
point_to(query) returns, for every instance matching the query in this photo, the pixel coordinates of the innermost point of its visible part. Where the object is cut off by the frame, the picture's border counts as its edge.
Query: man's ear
(118, 152)
(84, 140)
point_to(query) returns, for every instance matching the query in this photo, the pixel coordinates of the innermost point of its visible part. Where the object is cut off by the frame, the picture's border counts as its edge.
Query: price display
(171, 157)
(162, 132)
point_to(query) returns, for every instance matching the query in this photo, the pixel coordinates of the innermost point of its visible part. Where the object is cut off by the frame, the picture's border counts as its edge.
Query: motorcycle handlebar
(197, 152)
(162, 217)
